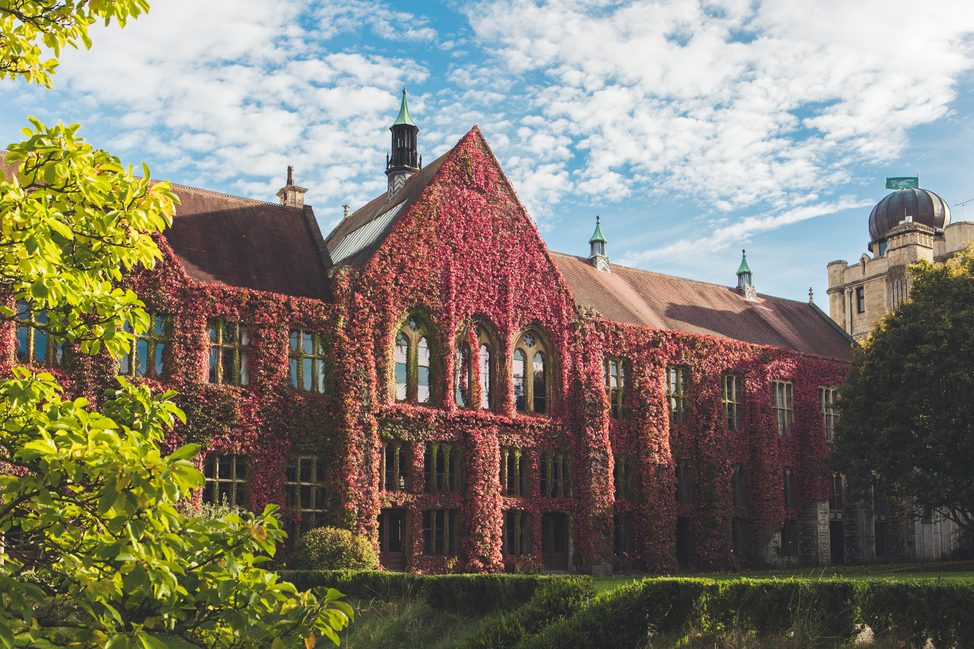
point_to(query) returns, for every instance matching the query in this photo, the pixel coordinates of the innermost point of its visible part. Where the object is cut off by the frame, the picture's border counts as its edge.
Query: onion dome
(921, 204)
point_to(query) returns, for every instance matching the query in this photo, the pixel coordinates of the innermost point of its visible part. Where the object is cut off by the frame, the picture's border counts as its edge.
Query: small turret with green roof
(597, 256)
(745, 285)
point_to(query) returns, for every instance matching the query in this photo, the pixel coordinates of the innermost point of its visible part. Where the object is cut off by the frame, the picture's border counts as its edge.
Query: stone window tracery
(733, 391)
(413, 375)
(784, 406)
(474, 369)
(531, 374)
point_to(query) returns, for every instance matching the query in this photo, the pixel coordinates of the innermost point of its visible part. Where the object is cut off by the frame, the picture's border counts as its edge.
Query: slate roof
(640, 297)
(221, 239)
(354, 240)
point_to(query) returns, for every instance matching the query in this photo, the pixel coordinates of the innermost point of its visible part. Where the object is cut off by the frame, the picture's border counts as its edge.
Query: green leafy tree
(94, 548)
(907, 412)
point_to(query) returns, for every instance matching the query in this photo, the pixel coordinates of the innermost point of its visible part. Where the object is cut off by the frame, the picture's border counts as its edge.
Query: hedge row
(463, 594)
(818, 613)
(552, 602)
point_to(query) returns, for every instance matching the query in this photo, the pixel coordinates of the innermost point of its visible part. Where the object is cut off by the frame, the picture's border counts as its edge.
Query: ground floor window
(225, 480)
(554, 540)
(441, 531)
(304, 492)
(622, 538)
(789, 538)
(684, 542)
(880, 531)
(392, 538)
(739, 537)
(517, 533)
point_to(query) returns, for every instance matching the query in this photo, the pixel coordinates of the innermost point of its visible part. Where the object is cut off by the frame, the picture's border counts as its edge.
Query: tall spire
(404, 159)
(404, 117)
(597, 256)
(745, 284)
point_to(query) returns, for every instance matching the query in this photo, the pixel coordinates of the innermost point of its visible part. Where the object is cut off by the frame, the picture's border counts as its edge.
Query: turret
(597, 256)
(404, 159)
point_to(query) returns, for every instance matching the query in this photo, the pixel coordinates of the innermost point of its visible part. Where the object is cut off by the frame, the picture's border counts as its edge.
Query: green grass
(959, 571)
(405, 623)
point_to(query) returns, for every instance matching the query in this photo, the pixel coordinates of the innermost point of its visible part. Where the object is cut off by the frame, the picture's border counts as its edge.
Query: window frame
(677, 388)
(783, 402)
(615, 386)
(733, 398)
(398, 480)
(789, 494)
(319, 357)
(837, 497)
(860, 299)
(623, 478)
(827, 397)
(552, 481)
(293, 487)
(34, 327)
(518, 541)
(450, 480)
(684, 482)
(480, 392)
(531, 343)
(415, 329)
(446, 519)
(239, 486)
(518, 485)
(239, 347)
(128, 364)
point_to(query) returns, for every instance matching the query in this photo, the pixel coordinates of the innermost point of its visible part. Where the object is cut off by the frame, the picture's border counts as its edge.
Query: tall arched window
(473, 368)
(413, 374)
(531, 374)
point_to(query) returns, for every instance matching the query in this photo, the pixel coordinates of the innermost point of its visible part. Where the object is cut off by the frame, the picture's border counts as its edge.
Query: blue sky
(694, 129)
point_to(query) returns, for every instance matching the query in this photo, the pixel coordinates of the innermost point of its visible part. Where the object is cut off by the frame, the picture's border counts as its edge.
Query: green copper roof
(743, 268)
(404, 117)
(597, 235)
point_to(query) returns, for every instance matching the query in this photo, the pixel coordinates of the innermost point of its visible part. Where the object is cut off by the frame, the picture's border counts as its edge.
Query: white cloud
(729, 104)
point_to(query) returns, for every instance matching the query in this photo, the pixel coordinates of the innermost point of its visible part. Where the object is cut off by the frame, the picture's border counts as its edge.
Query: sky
(694, 129)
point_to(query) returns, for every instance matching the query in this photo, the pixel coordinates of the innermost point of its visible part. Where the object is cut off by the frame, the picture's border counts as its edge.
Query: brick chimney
(291, 195)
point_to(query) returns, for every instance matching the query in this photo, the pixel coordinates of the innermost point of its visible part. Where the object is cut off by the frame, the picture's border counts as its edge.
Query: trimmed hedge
(552, 601)
(463, 594)
(819, 613)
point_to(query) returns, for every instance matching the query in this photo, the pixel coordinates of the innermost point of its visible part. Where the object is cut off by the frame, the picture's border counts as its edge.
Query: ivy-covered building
(430, 375)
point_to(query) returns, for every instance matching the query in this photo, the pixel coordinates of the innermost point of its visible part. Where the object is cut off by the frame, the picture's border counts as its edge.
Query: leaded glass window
(307, 362)
(229, 353)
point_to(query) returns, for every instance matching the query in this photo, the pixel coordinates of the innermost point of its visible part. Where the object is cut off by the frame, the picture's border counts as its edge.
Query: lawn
(955, 571)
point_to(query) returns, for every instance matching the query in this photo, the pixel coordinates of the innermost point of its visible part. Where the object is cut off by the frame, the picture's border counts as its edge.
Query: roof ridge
(213, 192)
(686, 279)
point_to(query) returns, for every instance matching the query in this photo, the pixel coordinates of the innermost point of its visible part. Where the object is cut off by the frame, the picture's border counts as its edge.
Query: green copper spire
(404, 117)
(597, 235)
(743, 268)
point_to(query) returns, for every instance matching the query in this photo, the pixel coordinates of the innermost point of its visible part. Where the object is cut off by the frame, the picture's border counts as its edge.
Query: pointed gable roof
(632, 296)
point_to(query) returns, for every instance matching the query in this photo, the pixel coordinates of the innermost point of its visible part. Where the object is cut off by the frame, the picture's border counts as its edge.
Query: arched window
(413, 374)
(474, 369)
(531, 374)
